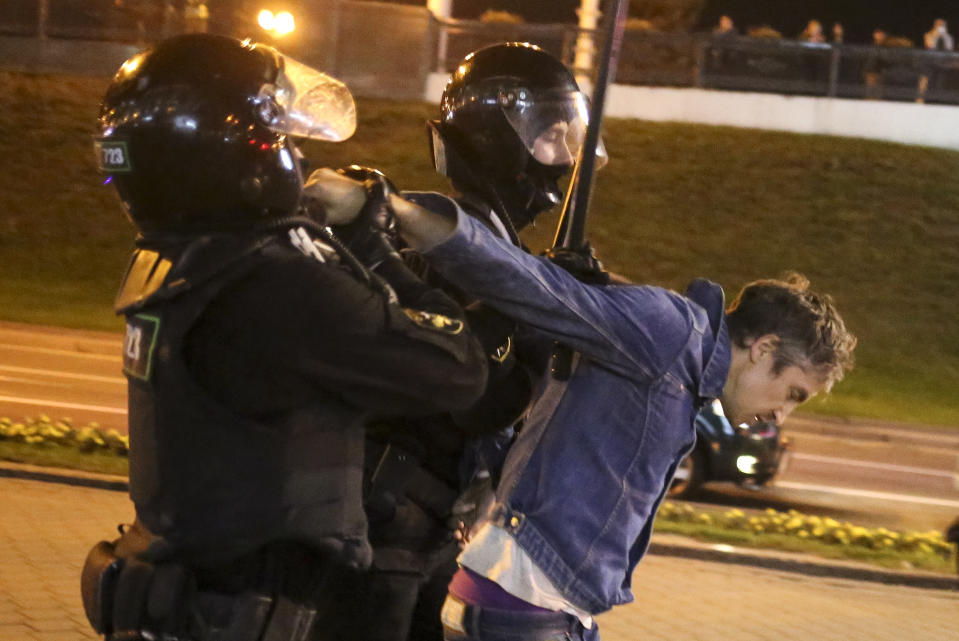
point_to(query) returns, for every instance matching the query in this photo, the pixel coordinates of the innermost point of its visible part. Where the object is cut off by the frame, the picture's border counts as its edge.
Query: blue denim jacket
(584, 479)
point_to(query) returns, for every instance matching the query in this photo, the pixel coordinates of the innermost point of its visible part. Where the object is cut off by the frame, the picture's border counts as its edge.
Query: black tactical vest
(215, 483)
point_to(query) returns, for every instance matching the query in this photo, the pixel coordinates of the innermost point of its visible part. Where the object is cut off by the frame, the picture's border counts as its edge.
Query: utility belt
(132, 590)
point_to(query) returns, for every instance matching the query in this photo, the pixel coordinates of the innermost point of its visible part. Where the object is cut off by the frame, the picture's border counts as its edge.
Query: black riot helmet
(195, 132)
(512, 123)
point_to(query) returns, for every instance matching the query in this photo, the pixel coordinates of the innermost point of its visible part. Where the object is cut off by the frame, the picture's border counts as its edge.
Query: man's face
(754, 393)
(552, 147)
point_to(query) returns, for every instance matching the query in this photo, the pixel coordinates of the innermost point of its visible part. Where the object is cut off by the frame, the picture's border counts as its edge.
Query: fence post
(699, 69)
(440, 12)
(43, 13)
(833, 71)
(332, 37)
(583, 63)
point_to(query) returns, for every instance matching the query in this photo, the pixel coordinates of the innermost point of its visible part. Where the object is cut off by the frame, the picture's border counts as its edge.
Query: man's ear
(767, 344)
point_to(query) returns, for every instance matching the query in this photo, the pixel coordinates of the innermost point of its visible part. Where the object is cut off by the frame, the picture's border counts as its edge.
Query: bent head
(788, 344)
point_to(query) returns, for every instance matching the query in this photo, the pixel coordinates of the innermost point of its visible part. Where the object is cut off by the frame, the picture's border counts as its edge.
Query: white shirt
(495, 554)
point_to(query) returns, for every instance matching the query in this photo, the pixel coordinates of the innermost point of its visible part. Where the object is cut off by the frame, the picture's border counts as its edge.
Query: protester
(575, 506)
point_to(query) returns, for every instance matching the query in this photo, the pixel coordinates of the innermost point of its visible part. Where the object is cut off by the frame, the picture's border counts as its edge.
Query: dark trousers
(471, 622)
(388, 605)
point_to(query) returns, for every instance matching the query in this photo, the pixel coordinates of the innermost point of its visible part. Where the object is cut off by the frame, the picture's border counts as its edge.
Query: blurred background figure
(939, 37)
(817, 66)
(719, 54)
(726, 27)
(812, 32)
(936, 39)
(838, 33)
(874, 66)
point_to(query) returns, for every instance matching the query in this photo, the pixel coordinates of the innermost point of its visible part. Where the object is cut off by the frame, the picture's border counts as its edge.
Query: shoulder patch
(435, 322)
(113, 157)
(138, 345)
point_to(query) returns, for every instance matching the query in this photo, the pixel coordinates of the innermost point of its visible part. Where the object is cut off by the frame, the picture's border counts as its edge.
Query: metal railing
(647, 58)
(737, 63)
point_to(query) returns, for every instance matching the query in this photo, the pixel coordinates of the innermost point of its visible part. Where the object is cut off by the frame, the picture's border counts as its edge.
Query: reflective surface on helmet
(551, 124)
(307, 103)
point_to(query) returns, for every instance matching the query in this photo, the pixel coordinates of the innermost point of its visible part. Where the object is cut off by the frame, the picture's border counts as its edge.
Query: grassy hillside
(875, 224)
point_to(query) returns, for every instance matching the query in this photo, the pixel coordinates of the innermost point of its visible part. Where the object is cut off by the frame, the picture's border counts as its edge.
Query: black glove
(372, 236)
(581, 263)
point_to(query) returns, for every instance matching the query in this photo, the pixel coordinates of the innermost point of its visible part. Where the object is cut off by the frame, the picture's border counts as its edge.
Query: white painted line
(117, 380)
(905, 498)
(61, 334)
(72, 406)
(879, 466)
(61, 352)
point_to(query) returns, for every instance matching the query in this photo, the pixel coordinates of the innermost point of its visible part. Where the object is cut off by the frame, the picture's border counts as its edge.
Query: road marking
(878, 466)
(72, 406)
(61, 352)
(906, 498)
(59, 374)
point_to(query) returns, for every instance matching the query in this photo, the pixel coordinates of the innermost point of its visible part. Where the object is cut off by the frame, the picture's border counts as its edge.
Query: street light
(279, 24)
(284, 23)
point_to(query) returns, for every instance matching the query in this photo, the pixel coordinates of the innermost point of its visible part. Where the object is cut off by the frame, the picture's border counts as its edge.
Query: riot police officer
(257, 348)
(511, 123)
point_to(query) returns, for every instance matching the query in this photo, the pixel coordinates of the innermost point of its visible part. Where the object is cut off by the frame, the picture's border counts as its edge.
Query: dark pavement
(684, 590)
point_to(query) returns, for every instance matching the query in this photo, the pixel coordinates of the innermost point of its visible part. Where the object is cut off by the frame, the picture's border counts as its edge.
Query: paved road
(47, 528)
(869, 474)
(906, 480)
(64, 373)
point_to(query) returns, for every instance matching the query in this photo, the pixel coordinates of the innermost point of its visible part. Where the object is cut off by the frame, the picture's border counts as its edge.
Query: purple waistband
(470, 587)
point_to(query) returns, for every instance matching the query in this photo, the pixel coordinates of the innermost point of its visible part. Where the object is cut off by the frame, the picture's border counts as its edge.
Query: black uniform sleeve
(295, 330)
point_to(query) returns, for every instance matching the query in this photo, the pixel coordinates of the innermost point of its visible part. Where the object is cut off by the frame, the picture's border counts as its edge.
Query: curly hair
(809, 328)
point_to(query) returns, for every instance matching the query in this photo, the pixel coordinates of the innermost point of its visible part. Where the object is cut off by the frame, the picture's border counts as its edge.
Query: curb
(819, 568)
(64, 476)
(662, 545)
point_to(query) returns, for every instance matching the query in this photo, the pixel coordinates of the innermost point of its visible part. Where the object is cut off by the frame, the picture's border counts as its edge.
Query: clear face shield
(307, 103)
(552, 125)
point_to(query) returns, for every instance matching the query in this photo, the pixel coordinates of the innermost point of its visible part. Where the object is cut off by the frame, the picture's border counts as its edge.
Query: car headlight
(746, 464)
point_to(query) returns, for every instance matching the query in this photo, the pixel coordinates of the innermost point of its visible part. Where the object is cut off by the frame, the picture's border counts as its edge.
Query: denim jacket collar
(716, 352)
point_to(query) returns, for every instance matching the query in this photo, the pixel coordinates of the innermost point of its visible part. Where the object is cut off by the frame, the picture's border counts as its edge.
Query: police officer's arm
(294, 331)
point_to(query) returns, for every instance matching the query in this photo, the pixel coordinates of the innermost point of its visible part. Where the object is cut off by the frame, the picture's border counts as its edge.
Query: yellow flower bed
(43, 432)
(814, 528)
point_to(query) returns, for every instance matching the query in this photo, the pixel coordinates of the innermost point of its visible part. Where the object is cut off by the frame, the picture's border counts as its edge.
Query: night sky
(910, 18)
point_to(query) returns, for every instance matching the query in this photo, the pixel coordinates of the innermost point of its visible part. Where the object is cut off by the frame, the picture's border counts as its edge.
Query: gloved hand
(372, 235)
(581, 263)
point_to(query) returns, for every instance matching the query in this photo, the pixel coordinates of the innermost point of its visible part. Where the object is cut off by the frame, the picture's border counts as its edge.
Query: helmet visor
(552, 125)
(308, 103)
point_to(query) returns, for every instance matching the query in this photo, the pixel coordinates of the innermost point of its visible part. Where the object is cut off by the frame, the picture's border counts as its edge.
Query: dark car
(952, 535)
(748, 455)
